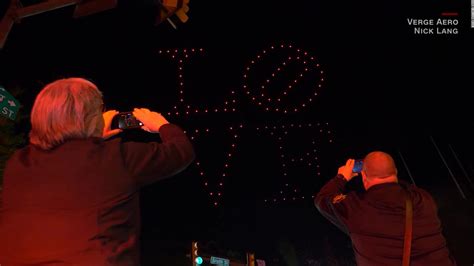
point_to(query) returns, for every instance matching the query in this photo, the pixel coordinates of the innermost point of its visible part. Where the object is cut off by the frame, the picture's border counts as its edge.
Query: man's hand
(152, 121)
(346, 170)
(108, 116)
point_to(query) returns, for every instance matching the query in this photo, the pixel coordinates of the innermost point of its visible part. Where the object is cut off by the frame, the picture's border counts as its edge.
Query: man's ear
(365, 177)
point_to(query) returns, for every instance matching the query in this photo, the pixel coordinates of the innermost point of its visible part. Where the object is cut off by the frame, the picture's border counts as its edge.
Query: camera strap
(408, 230)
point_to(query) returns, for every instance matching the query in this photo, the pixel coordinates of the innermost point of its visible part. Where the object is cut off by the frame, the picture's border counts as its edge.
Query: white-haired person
(72, 198)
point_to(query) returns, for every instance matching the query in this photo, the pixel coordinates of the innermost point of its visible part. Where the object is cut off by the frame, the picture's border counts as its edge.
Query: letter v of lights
(257, 88)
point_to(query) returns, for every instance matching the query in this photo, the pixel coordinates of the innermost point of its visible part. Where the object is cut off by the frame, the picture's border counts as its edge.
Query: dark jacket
(78, 204)
(375, 221)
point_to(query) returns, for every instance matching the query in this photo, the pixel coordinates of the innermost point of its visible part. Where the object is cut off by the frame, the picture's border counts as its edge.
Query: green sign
(220, 261)
(9, 106)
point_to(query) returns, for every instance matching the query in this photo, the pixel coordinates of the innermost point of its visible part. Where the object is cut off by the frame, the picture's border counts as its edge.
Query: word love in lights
(281, 82)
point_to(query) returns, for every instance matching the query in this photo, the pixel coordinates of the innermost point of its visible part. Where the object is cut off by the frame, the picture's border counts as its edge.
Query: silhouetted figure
(375, 219)
(71, 198)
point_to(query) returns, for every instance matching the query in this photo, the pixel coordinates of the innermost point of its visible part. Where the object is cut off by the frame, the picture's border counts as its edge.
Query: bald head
(379, 164)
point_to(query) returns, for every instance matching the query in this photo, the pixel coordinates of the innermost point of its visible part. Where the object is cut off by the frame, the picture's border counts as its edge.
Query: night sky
(384, 88)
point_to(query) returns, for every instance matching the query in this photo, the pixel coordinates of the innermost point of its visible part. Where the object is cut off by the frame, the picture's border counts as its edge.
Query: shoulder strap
(408, 230)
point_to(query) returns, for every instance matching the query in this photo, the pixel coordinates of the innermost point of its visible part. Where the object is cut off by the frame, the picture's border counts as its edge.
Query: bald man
(375, 219)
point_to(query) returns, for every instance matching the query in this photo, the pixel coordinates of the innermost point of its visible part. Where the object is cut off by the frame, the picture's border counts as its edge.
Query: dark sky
(385, 88)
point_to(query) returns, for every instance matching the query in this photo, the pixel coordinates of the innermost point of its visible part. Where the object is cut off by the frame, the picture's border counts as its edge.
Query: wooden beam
(7, 22)
(89, 7)
(16, 12)
(42, 7)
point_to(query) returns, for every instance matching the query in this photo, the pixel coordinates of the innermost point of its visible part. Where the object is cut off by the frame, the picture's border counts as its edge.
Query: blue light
(198, 260)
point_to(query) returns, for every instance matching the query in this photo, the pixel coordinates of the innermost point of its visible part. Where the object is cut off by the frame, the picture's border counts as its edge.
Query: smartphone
(126, 120)
(358, 166)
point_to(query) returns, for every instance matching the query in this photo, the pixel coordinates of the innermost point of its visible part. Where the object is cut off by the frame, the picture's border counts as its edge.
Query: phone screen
(357, 166)
(128, 121)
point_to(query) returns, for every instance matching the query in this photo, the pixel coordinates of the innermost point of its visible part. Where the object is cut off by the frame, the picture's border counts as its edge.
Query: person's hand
(152, 121)
(346, 170)
(108, 132)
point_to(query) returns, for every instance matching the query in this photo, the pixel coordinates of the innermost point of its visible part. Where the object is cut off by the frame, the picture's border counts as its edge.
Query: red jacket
(375, 221)
(78, 204)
